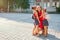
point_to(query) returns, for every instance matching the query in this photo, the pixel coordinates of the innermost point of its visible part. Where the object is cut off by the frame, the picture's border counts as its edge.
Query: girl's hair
(33, 8)
(44, 10)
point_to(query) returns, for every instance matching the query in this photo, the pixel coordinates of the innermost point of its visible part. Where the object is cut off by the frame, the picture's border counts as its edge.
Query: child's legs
(45, 30)
(45, 24)
(35, 29)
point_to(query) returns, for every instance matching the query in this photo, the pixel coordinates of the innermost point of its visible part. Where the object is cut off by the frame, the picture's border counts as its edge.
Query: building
(50, 5)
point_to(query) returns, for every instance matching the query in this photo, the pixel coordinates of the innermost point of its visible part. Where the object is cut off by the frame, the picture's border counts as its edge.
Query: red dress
(41, 20)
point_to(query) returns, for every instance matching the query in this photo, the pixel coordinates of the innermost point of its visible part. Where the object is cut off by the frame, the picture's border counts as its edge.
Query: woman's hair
(39, 7)
(33, 8)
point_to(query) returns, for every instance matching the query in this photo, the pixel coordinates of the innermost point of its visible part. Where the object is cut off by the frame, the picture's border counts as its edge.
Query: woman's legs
(40, 31)
(41, 27)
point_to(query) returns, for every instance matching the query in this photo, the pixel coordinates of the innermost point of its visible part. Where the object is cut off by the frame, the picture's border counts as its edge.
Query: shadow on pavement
(49, 37)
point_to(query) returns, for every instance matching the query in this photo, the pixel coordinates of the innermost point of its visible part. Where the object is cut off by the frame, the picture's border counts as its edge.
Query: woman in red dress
(43, 21)
(41, 27)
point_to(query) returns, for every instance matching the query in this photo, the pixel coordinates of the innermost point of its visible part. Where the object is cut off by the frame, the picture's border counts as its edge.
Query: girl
(36, 21)
(45, 22)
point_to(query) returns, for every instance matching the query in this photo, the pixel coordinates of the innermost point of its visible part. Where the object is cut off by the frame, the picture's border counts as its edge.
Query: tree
(10, 5)
(24, 4)
(59, 3)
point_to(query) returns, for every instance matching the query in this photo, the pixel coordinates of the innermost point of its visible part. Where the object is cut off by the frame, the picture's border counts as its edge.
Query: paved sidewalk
(13, 30)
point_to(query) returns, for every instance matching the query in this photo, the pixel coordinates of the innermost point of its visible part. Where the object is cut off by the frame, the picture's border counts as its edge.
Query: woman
(39, 9)
(43, 26)
(36, 21)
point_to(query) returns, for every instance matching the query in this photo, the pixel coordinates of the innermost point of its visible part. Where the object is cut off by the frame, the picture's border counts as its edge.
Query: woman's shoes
(39, 33)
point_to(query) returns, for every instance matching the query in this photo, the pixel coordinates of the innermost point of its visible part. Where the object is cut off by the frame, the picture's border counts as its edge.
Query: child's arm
(37, 16)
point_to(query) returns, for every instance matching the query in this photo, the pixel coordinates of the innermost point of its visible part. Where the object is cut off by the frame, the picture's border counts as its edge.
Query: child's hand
(39, 21)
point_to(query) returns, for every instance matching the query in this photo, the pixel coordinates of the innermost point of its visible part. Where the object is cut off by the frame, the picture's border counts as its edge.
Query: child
(36, 21)
(45, 23)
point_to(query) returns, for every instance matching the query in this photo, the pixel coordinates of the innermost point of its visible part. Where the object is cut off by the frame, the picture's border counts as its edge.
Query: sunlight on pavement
(13, 30)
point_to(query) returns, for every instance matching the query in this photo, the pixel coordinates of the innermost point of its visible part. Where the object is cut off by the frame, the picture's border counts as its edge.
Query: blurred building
(46, 3)
(50, 5)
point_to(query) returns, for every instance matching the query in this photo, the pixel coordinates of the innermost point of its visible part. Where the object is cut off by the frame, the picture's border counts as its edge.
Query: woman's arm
(43, 14)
